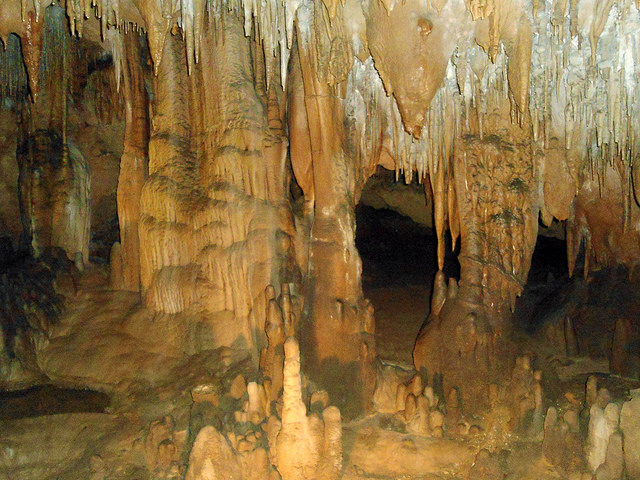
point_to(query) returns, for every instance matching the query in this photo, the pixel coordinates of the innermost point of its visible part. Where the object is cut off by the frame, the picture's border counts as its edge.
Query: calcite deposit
(179, 231)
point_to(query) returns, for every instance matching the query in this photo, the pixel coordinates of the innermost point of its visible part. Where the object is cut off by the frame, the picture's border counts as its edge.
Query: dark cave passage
(547, 282)
(581, 318)
(50, 400)
(398, 267)
(383, 238)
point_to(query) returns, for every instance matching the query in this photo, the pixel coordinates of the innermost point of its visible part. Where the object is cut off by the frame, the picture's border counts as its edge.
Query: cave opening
(547, 279)
(398, 249)
(45, 400)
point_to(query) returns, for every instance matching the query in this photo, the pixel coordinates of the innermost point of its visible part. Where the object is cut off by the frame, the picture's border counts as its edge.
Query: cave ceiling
(573, 64)
(417, 78)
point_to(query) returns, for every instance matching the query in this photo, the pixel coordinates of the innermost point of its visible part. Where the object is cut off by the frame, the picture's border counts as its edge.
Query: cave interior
(320, 239)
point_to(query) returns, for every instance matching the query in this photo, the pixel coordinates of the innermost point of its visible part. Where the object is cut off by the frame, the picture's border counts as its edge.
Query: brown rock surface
(212, 458)
(630, 426)
(236, 139)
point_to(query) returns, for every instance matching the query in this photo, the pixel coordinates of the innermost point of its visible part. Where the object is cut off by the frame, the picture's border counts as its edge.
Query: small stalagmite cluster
(270, 437)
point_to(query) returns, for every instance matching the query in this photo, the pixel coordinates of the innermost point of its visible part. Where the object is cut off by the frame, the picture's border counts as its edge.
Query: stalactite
(54, 180)
(598, 98)
(13, 75)
(32, 50)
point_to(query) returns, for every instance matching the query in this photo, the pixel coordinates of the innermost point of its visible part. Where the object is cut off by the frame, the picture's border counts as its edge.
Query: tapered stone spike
(401, 397)
(332, 442)
(410, 407)
(591, 390)
(439, 293)
(306, 447)
(571, 341)
(115, 262)
(293, 406)
(416, 386)
(32, 51)
(602, 424)
(622, 339)
(287, 310)
(452, 289)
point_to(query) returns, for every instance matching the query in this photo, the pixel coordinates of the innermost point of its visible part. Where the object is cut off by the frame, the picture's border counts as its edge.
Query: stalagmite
(613, 466)
(603, 422)
(625, 337)
(401, 398)
(439, 293)
(116, 279)
(272, 358)
(410, 407)
(571, 342)
(212, 457)
(307, 447)
(630, 426)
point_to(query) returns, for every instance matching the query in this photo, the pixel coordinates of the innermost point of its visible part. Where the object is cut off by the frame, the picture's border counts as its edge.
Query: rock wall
(134, 162)
(36, 78)
(55, 180)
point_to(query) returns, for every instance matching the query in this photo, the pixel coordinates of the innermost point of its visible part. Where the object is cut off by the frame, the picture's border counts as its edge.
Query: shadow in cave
(396, 251)
(549, 291)
(44, 400)
(593, 305)
(398, 267)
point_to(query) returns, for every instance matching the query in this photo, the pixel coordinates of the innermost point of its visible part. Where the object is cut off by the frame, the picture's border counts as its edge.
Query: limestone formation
(603, 423)
(162, 448)
(630, 426)
(623, 359)
(116, 279)
(486, 467)
(212, 458)
(486, 93)
(272, 357)
(561, 446)
(134, 162)
(238, 387)
(613, 466)
(307, 447)
(213, 153)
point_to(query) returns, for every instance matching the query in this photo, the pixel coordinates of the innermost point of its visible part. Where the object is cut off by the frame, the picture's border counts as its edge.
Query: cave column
(467, 336)
(339, 332)
(215, 221)
(246, 219)
(134, 161)
(167, 275)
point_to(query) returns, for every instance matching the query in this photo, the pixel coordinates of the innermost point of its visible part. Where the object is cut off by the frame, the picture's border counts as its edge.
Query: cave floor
(399, 313)
(105, 341)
